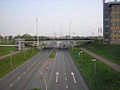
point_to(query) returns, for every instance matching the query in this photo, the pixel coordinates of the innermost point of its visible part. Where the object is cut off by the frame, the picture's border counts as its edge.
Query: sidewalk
(7, 55)
(111, 64)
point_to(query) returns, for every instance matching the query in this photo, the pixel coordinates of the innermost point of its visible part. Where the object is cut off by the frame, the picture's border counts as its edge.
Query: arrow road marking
(18, 78)
(66, 86)
(57, 73)
(73, 76)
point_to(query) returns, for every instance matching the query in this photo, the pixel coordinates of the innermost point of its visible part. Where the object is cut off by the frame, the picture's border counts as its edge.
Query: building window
(119, 8)
(119, 23)
(115, 38)
(106, 19)
(115, 32)
(115, 23)
(106, 26)
(119, 16)
(115, 8)
(115, 16)
(119, 31)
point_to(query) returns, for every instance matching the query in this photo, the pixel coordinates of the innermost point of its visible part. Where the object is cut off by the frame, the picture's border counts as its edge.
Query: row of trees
(24, 36)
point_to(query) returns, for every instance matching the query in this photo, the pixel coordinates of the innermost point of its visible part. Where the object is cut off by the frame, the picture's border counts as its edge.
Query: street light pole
(11, 59)
(81, 57)
(24, 54)
(37, 32)
(94, 60)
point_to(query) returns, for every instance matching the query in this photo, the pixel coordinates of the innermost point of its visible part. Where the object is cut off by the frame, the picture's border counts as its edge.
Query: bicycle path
(111, 64)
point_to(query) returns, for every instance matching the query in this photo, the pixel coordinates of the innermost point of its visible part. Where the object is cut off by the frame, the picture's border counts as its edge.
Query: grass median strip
(106, 77)
(7, 64)
(52, 55)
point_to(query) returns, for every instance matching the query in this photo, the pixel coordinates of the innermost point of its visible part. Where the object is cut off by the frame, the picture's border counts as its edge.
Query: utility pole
(11, 64)
(61, 30)
(70, 29)
(37, 32)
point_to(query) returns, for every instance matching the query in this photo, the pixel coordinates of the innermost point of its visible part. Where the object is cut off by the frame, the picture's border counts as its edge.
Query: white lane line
(28, 68)
(65, 73)
(73, 76)
(57, 73)
(18, 78)
(66, 86)
(24, 72)
(11, 85)
(66, 79)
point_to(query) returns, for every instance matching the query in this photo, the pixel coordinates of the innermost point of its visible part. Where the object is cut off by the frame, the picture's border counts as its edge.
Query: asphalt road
(63, 74)
(59, 73)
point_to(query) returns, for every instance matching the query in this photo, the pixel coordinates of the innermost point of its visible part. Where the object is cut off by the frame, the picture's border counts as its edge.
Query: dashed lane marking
(11, 85)
(18, 78)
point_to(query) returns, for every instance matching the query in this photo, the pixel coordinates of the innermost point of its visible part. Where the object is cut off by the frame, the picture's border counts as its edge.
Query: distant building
(111, 22)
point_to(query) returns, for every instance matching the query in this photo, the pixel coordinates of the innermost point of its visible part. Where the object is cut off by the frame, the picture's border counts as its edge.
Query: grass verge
(17, 59)
(35, 89)
(108, 51)
(52, 55)
(106, 77)
(6, 50)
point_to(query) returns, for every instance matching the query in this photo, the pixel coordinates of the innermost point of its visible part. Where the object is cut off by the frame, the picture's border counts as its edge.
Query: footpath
(7, 55)
(111, 64)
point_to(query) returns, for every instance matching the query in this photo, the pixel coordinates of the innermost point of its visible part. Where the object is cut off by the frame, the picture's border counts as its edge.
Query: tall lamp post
(81, 52)
(94, 60)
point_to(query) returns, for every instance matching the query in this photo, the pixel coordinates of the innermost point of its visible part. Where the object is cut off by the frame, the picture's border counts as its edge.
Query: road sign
(79, 54)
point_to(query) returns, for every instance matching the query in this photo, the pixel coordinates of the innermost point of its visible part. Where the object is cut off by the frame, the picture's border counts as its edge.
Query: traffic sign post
(79, 54)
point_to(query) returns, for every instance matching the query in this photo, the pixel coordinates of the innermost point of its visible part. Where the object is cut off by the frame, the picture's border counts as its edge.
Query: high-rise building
(111, 22)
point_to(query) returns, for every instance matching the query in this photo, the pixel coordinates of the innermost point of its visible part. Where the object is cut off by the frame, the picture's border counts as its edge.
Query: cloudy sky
(19, 16)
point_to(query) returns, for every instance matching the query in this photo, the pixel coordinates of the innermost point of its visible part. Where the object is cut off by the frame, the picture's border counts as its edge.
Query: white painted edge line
(73, 76)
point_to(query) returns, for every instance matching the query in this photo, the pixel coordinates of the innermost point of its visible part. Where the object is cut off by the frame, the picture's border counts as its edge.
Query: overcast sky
(19, 16)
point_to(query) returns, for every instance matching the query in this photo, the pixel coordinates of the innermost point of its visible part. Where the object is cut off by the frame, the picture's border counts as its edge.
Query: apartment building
(111, 22)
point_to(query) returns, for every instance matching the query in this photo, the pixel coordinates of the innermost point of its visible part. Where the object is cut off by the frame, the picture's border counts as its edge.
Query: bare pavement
(59, 73)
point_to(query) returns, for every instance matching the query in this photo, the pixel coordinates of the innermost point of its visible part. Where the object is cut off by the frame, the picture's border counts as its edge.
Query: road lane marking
(18, 78)
(66, 86)
(24, 72)
(73, 76)
(44, 79)
(57, 73)
(28, 68)
(65, 73)
(66, 79)
(11, 85)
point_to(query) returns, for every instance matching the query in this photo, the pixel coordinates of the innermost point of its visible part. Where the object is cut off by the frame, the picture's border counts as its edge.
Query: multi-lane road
(59, 73)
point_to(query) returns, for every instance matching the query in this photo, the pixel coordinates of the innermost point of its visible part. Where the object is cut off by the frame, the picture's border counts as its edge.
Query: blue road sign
(79, 54)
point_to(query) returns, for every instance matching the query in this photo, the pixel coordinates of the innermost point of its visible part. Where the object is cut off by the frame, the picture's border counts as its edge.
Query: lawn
(106, 77)
(52, 55)
(108, 51)
(6, 50)
(80, 43)
(17, 59)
